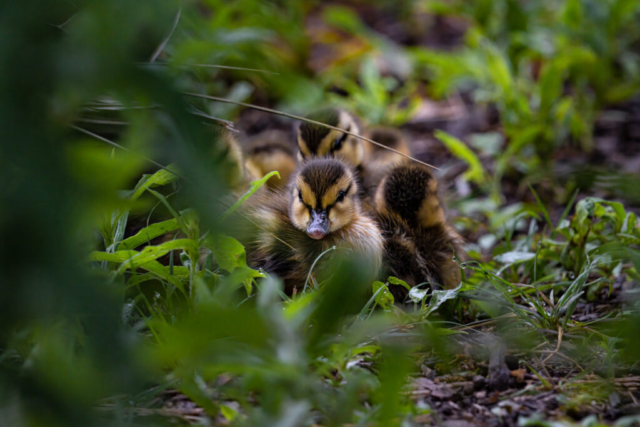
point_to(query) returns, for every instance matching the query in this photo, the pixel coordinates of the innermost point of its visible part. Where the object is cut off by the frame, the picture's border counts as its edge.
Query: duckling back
(419, 245)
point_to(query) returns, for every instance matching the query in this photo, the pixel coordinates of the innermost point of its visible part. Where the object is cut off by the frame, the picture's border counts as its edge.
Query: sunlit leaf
(476, 172)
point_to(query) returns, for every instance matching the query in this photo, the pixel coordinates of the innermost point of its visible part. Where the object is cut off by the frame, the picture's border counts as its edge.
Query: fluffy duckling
(318, 210)
(370, 161)
(268, 152)
(419, 245)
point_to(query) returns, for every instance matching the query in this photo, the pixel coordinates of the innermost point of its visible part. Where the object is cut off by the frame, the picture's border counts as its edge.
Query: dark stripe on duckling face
(324, 199)
(321, 175)
(313, 134)
(337, 144)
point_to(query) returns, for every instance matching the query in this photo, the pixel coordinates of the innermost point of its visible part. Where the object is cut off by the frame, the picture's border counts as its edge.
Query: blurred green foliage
(103, 308)
(548, 67)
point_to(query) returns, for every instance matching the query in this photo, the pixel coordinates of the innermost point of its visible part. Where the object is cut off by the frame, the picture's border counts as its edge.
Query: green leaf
(121, 226)
(162, 177)
(418, 294)
(148, 233)
(165, 202)
(343, 18)
(151, 253)
(476, 172)
(228, 412)
(255, 186)
(439, 297)
(396, 281)
(382, 295)
(122, 257)
(229, 253)
(541, 206)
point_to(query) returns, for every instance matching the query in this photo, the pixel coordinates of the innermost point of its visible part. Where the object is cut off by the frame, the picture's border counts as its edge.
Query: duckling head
(319, 141)
(411, 193)
(324, 197)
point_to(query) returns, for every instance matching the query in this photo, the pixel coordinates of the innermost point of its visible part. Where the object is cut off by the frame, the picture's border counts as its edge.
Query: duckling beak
(319, 225)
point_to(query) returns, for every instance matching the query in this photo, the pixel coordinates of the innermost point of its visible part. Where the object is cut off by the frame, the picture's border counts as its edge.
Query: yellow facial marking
(308, 197)
(298, 212)
(331, 196)
(342, 214)
(304, 150)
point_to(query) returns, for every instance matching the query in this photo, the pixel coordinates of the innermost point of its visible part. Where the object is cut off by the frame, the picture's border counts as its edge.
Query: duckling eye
(299, 195)
(337, 145)
(341, 195)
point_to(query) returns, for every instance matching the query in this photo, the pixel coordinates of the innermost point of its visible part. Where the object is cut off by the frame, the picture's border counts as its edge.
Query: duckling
(270, 151)
(419, 244)
(318, 210)
(370, 161)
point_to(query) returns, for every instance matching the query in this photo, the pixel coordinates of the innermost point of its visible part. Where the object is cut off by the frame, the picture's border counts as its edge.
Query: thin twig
(560, 332)
(226, 123)
(562, 356)
(124, 148)
(484, 322)
(103, 122)
(304, 119)
(166, 40)
(225, 67)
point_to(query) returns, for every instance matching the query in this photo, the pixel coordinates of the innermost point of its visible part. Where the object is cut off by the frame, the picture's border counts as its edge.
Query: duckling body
(318, 210)
(371, 162)
(419, 245)
(270, 151)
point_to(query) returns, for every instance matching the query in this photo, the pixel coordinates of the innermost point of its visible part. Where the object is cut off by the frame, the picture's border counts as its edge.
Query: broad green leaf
(439, 297)
(418, 294)
(476, 172)
(229, 253)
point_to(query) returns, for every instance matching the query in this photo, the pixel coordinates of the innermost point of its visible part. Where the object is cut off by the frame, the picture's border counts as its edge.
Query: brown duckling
(271, 151)
(318, 210)
(419, 245)
(370, 161)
